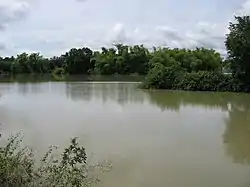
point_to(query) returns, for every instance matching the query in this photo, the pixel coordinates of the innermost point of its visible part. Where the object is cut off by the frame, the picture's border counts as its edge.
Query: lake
(153, 138)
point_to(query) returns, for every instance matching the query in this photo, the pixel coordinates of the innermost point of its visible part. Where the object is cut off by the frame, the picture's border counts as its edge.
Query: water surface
(157, 138)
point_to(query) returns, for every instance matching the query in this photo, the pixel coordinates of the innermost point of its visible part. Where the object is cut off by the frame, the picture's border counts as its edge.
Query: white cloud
(2, 46)
(169, 33)
(11, 11)
(81, 0)
(55, 26)
(245, 8)
(118, 34)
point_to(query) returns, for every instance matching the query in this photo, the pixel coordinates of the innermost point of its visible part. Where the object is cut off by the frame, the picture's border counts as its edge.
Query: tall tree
(238, 47)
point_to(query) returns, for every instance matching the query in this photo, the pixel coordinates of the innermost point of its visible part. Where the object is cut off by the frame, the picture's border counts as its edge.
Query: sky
(52, 27)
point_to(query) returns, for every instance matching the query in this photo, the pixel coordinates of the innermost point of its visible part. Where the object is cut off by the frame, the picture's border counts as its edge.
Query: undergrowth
(18, 167)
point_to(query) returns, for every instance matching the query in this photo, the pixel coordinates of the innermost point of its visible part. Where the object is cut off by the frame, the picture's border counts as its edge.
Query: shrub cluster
(18, 167)
(175, 78)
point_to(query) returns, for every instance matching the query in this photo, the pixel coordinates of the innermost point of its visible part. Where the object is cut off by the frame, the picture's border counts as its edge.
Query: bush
(208, 81)
(17, 167)
(162, 77)
(59, 71)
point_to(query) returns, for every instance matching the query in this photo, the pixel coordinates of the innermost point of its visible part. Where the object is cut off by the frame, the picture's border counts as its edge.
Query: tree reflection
(78, 91)
(37, 88)
(237, 133)
(165, 100)
(174, 100)
(121, 93)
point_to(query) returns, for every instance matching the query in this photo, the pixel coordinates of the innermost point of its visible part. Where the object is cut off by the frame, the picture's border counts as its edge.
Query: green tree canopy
(238, 47)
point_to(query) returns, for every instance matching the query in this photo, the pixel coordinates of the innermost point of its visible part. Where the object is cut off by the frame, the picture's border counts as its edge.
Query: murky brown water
(159, 138)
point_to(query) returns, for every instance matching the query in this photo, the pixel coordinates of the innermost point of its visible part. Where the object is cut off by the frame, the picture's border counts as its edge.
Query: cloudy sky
(54, 26)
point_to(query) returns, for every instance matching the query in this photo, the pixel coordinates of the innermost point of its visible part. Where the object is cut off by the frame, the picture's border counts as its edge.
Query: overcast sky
(54, 26)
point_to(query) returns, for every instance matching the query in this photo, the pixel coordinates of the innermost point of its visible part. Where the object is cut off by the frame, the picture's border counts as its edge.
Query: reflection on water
(237, 133)
(47, 78)
(154, 138)
(120, 93)
(177, 99)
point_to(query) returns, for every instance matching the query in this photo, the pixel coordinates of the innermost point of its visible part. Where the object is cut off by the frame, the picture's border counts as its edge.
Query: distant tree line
(165, 68)
(120, 59)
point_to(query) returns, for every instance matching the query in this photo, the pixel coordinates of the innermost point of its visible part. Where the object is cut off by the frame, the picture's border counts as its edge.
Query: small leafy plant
(72, 169)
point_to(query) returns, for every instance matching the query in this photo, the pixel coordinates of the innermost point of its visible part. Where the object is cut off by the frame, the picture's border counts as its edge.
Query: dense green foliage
(238, 46)
(170, 78)
(206, 71)
(120, 59)
(17, 167)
